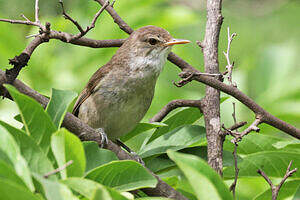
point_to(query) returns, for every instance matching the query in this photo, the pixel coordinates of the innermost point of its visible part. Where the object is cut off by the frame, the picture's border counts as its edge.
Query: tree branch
(173, 105)
(275, 189)
(211, 110)
(77, 127)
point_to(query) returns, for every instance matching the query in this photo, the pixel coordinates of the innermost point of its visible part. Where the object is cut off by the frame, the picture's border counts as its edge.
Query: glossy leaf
(297, 194)
(156, 164)
(9, 147)
(183, 117)
(7, 172)
(89, 189)
(54, 190)
(96, 156)
(123, 175)
(290, 145)
(37, 122)
(58, 105)
(252, 143)
(11, 190)
(207, 184)
(37, 159)
(65, 147)
(176, 139)
(273, 163)
(140, 128)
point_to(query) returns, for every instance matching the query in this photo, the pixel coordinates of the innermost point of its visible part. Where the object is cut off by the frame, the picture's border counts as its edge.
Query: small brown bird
(119, 94)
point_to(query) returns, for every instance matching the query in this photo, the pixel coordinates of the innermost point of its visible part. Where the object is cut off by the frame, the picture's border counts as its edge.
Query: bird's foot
(135, 156)
(104, 139)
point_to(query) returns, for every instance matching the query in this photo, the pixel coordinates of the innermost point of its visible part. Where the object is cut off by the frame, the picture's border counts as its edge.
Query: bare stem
(230, 65)
(58, 169)
(275, 189)
(37, 9)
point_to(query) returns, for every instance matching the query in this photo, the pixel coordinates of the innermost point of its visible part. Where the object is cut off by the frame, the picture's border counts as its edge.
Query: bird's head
(152, 42)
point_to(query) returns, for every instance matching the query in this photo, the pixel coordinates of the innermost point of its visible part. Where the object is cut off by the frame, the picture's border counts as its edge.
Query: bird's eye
(152, 41)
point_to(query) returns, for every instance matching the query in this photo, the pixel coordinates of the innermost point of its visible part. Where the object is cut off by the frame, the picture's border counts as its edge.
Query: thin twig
(233, 113)
(113, 3)
(22, 15)
(233, 185)
(275, 189)
(37, 9)
(22, 22)
(88, 28)
(237, 125)
(173, 105)
(229, 66)
(68, 17)
(58, 169)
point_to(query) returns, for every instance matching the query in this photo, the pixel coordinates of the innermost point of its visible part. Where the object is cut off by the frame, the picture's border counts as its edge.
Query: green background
(265, 52)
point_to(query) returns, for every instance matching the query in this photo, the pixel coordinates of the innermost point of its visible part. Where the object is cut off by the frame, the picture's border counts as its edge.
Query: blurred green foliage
(265, 54)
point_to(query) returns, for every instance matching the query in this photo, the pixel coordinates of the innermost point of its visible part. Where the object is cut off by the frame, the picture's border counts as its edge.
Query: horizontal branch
(77, 127)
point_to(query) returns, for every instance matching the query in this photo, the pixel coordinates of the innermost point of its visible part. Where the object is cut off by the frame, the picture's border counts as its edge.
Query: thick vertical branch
(211, 110)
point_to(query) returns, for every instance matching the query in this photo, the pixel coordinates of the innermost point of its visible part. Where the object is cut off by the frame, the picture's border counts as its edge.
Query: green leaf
(9, 146)
(65, 147)
(96, 156)
(290, 145)
(287, 190)
(124, 175)
(156, 164)
(176, 139)
(37, 159)
(37, 122)
(88, 188)
(252, 143)
(55, 190)
(207, 184)
(58, 105)
(11, 190)
(297, 193)
(273, 163)
(8, 173)
(183, 117)
(140, 128)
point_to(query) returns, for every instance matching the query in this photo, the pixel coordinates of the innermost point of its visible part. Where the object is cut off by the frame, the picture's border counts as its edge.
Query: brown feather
(90, 86)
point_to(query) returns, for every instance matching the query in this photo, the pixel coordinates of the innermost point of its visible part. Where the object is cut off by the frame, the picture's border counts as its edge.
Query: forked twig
(88, 28)
(275, 189)
(229, 66)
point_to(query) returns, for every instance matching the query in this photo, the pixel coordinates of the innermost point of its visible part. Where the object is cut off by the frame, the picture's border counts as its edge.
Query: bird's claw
(137, 158)
(104, 139)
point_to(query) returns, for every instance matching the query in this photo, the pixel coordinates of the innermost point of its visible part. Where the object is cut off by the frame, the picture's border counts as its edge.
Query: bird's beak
(177, 41)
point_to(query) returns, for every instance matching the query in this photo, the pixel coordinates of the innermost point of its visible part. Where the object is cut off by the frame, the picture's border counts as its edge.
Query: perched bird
(119, 93)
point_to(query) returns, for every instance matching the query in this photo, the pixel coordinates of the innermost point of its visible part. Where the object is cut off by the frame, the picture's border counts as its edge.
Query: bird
(119, 93)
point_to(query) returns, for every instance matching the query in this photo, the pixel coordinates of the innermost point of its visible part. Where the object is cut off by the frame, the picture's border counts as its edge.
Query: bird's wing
(90, 86)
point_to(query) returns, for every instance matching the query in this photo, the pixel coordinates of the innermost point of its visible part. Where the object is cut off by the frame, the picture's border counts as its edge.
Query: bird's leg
(104, 140)
(135, 155)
